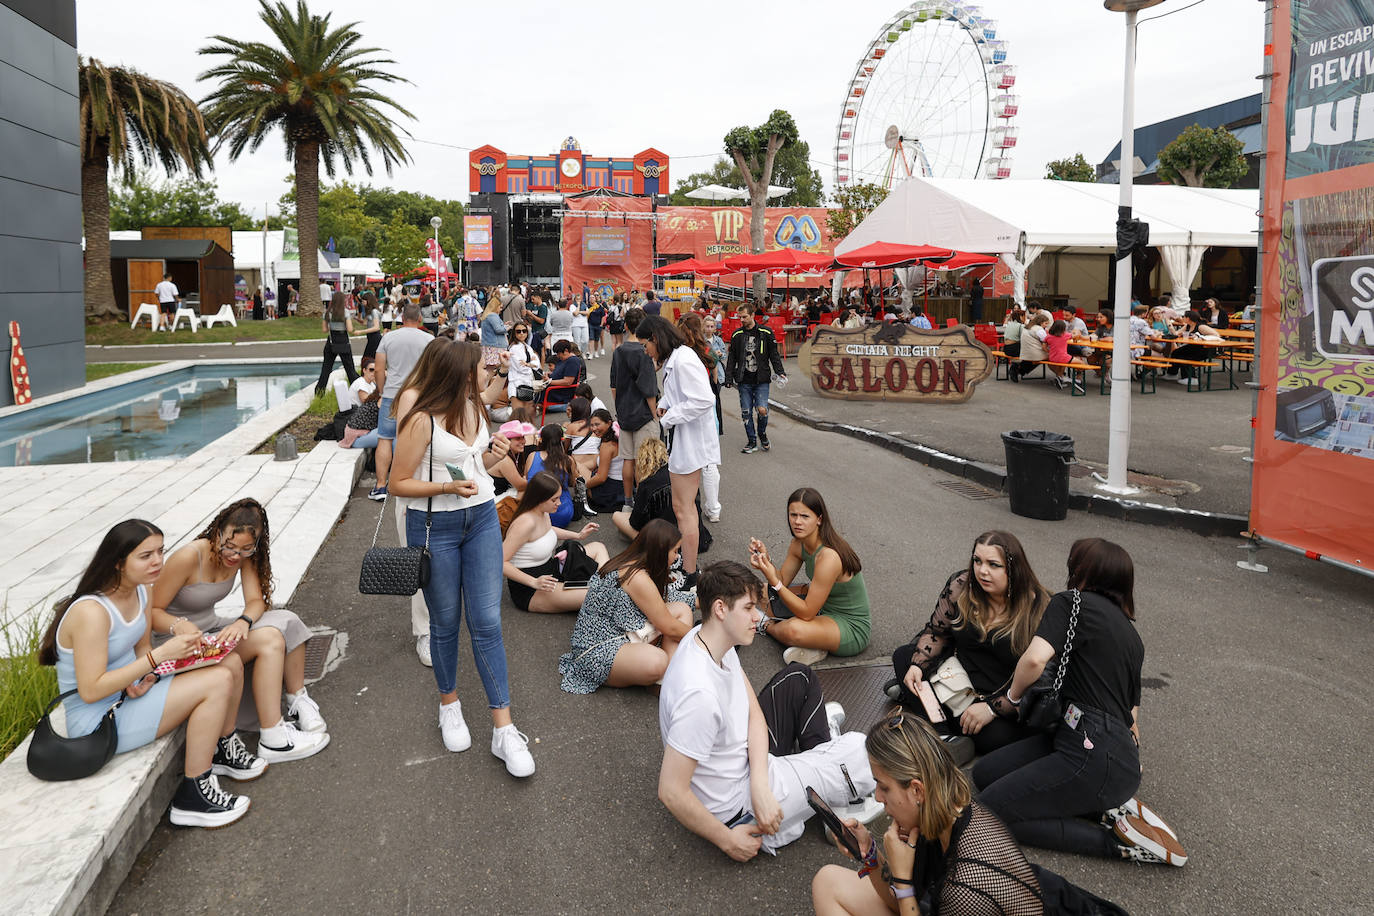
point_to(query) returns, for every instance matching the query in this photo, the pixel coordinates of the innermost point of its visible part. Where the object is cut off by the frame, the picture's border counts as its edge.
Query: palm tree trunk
(308, 225)
(95, 219)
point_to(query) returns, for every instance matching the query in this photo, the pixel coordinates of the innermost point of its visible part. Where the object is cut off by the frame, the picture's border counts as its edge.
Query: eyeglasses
(243, 552)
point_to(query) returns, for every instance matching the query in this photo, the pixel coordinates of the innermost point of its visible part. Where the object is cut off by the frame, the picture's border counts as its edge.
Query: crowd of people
(499, 502)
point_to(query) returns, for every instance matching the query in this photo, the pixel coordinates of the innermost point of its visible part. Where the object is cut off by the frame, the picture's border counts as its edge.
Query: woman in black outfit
(1073, 789)
(1214, 315)
(338, 327)
(372, 320)
(985, 618)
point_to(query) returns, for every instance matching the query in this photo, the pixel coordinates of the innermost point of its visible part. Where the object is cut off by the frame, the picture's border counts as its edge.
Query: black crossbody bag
(54, 758)
(1041, 707)
(399, 570)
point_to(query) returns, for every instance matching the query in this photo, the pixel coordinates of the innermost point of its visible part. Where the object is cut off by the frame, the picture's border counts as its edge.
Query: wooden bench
(1209, 365)
(1078, 375)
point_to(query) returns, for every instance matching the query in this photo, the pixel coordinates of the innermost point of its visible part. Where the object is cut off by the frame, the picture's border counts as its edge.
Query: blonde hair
(652, 455)
(908, 749)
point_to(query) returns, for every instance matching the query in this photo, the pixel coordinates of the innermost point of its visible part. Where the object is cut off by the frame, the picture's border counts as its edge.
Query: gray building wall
(40, 194)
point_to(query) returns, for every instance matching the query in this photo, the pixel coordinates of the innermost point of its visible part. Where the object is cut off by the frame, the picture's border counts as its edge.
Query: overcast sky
(523, 74)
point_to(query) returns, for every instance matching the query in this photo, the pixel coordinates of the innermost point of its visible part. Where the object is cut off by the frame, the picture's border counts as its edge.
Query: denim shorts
(386, 423)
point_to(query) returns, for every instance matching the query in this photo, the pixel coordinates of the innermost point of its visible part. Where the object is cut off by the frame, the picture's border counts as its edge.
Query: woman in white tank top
(535, 574)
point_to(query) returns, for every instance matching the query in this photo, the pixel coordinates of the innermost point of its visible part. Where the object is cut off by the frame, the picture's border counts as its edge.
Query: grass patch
(105, 370)
(116, 334)
(26, 687)
(321, 410)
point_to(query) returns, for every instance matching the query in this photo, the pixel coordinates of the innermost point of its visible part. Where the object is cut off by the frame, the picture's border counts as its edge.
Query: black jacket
(750, 354)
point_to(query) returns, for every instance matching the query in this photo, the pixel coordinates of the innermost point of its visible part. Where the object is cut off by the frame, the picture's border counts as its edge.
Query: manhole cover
(859, 689)
(968, 490)
(316, 651)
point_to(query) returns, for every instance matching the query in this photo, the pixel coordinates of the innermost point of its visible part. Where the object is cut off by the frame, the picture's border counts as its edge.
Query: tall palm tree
(133, 120)
(315, 84)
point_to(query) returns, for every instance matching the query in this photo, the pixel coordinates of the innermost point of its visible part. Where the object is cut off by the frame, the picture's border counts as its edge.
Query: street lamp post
(1119, 425)
(436, 222)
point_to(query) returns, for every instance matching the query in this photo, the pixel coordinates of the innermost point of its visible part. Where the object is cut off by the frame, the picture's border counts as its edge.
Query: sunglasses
(521, 331)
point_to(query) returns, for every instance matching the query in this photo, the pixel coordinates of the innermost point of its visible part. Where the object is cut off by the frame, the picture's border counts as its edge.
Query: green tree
(853, 203)
(755, 152)
(1075, 168)
(1202, 157)
(343, 219)
(317, 85)
(401, 246)
(792, 169)
(132, 120)
(188, 201)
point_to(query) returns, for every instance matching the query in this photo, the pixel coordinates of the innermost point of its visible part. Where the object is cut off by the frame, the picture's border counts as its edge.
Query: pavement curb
(196, 343)
(994, 477)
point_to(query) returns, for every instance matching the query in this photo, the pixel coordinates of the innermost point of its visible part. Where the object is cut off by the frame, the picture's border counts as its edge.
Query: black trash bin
(1038, 473)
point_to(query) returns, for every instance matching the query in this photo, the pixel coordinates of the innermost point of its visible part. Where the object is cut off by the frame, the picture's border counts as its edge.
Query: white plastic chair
(149, 310)
(225, 313)
(191, 318)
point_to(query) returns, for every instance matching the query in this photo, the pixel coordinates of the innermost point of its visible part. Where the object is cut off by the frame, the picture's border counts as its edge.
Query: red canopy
(881, 255)
(780, 259)
(689, 266)
(964, 259)
(714, 268)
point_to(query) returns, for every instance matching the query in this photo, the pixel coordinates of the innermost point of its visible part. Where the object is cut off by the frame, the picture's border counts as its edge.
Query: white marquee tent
(1021, 220)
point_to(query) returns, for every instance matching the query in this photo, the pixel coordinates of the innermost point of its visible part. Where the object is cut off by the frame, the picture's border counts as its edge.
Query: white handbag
(952, 687)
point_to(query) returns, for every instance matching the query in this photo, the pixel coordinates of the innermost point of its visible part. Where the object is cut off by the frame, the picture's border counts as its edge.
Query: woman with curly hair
(234, 547)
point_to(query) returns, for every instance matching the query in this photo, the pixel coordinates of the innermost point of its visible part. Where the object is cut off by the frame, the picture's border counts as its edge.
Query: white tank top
(536, 552)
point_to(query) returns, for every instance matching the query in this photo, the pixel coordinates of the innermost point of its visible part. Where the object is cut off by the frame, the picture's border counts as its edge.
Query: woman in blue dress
(553, 457)
(99, 640)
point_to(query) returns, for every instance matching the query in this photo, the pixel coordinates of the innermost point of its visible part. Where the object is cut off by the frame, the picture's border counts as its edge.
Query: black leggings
(1051, 790)
(336, 348)
(794, 710)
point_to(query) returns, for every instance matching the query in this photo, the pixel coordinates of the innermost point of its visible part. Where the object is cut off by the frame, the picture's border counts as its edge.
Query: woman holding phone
(530, 552)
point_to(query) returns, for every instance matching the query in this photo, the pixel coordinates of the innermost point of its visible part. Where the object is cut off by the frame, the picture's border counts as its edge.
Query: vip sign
(1344, 313)
(728, 224)
(896, 362)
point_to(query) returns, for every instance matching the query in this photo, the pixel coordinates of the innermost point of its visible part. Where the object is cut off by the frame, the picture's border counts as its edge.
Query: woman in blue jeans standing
(1074, 790)
(457, 519)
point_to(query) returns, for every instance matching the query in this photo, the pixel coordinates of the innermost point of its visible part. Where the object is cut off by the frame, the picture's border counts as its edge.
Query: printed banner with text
(605, 250)
(712, 233)
(477, 243)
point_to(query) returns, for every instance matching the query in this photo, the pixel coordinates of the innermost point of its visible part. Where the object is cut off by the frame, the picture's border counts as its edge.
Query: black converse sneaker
(233, 760)
(200, 802)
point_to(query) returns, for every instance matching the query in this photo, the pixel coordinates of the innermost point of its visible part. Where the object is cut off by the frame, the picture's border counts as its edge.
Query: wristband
(152, 662)
(902, 893)
(246, 619)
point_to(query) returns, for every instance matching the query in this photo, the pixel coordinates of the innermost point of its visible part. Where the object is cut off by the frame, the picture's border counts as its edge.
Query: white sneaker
(453, 728)
(865, 812)
(712, 518)
(422, 650)
(1144, 842)
(304, 713)
(803, 656)
(511, 745)
(284, 742)
(1136, 808)
(834, 714)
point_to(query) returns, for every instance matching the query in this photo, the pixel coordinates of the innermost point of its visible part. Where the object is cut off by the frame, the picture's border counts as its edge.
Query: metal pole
(1119, 437)
(262, 274)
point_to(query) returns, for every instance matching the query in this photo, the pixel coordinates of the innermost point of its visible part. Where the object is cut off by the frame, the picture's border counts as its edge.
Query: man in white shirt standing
(736, 766)
(326, 293)
(167, 298)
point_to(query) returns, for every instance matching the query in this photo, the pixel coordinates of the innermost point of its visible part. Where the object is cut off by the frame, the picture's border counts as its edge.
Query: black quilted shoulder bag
(56, 759)
(1041, 707)
(399, 570)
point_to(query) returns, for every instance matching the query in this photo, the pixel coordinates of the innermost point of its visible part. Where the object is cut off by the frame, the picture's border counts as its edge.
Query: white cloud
(622, 77)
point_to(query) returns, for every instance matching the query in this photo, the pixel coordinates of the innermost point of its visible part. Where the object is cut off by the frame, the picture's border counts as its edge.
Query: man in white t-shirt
(735, 770)
(167, 297)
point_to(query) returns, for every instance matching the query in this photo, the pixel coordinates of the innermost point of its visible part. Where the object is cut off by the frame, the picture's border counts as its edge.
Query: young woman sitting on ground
(508, 474)
(583, 443)
(984, 620)
(361, 429)
(653, 495)
(944, 852)
(553, 457)
(1073, 790)
(605, 482)
(531, 548)
(632, 617)
(234, 547)
(584, 390)
(831, 613)
(99, 642)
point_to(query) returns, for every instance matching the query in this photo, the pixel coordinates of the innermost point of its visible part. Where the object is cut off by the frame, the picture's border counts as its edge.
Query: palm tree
(315, 85)
(131, 119)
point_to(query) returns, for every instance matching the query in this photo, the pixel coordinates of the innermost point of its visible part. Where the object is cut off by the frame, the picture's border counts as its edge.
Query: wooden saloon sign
(895, 362)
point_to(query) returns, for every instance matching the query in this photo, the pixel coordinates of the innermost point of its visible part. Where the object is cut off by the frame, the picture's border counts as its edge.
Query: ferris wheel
(932, 96)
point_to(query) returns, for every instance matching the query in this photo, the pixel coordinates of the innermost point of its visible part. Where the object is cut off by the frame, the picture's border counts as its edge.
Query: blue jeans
(386, 423)
(366, 441)
(465, 572)
(754, 399)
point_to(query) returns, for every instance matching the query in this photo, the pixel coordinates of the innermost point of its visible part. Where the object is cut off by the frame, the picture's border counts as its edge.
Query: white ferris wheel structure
(931, 96)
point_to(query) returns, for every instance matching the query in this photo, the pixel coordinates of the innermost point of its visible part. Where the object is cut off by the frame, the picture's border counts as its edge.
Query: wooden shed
(201, 269)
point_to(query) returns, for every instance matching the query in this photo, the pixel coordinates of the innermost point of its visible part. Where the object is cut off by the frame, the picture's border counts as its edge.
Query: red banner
(1314, 429)
(477, 243)
(603, 216)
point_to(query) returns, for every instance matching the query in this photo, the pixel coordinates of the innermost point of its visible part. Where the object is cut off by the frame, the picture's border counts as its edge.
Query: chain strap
(1068, 641)
(429, 510)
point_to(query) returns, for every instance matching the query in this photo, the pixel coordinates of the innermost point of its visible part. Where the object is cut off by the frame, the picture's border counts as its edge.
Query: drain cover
(968, 490)
(859, 689)
(316, 651)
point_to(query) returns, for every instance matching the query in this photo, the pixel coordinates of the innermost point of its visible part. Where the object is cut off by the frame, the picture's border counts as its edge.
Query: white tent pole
(1119, 426)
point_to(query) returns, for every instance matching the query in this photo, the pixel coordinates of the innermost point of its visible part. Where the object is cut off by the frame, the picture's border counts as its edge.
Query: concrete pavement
(1254, 746)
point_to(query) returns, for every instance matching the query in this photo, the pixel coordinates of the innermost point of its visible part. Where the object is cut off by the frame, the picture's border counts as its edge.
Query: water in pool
(169, 416)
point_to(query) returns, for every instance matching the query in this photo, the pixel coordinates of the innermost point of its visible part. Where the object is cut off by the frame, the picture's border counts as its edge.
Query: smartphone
(456, 472)
(577, 583)
(846, 836)
(934, 711)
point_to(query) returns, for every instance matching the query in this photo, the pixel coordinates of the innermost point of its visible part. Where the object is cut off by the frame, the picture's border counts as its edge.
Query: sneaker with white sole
(304, 713)
(1136, 808)
(235, 761)
(377, 494)
(454, 730)
(834, 715)
(1158, 845)
(803, 656)
(511, 745)
(283, 742)
(200, 802)
(422, 650)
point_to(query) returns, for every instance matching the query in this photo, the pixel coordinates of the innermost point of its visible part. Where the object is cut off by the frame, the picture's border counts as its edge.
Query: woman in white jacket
(687, 409)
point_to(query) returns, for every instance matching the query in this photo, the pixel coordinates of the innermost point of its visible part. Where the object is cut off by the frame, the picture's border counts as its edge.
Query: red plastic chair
(541, 399)
(775, 324)
(951, 322)
(987, 333)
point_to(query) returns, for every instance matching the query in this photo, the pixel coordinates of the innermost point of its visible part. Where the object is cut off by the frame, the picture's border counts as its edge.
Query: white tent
(1021, 220)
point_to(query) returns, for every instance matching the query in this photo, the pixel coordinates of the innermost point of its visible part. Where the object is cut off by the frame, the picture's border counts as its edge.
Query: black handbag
(1041, 707)
(398, 570)
(524, 392)
(56, 759)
